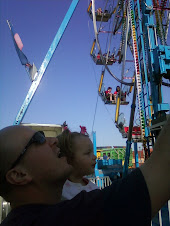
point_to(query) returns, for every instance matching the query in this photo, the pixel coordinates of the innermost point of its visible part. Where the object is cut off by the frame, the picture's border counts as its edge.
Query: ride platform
(111, 102)
(136, 132)
(104, 17)
(98, 60)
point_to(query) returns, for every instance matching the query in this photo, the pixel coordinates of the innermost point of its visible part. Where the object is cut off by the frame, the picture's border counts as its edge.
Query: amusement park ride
(142, 26)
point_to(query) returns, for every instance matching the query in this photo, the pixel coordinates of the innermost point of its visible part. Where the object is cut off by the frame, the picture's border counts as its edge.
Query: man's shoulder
(41, 215)
(128, 196)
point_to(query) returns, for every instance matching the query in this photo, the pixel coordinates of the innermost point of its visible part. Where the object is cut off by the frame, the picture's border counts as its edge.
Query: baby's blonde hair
(67, 142)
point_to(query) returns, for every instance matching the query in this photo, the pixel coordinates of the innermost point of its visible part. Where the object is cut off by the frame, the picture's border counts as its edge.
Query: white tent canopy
(50, 130)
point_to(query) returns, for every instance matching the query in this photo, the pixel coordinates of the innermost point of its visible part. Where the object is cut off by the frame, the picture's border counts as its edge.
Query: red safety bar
(136, 130)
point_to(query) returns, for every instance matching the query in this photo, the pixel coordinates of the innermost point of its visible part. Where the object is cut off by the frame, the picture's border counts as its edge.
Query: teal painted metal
(163, 107)
(156, 65)
(136, 155)
(99, 182)
(95, 153)
(45, 63)
(94, 143)
(162, 55)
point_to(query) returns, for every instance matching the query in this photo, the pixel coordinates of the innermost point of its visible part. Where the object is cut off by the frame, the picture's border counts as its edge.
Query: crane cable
(95, 112)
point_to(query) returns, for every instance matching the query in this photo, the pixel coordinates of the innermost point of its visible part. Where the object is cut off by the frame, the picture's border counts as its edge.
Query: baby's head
(78, 149)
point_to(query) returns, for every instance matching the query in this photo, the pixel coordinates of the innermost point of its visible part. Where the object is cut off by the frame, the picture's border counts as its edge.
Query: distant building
(115, 152)
(141, 157)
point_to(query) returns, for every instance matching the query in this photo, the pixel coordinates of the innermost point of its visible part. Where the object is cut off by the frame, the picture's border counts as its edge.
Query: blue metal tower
(153, 64)
(45, 63)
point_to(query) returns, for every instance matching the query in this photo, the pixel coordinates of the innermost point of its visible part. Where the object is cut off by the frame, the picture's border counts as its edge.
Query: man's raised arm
(156, 170)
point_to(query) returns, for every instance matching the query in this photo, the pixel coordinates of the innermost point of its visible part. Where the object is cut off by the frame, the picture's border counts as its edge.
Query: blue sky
(68, 90)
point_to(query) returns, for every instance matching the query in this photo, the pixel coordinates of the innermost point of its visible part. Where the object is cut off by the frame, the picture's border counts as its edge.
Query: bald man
(32, 174)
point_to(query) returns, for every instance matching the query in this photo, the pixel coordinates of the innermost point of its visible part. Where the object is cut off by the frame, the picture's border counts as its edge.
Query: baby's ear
(18, 176)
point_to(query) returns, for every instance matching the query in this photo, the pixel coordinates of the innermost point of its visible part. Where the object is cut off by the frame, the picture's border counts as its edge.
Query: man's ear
(18, 176)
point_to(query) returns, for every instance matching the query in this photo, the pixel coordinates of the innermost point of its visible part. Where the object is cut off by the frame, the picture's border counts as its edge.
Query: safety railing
(163, 216)
(101, 182)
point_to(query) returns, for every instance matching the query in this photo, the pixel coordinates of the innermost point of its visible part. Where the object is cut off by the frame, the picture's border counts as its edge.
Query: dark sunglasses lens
(42, 133)
(39, 138)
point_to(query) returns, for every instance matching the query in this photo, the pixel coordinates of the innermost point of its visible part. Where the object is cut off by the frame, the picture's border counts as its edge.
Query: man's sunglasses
(38, 138)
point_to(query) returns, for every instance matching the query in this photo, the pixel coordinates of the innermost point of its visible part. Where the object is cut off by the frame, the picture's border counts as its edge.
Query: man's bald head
(41, 171)
(13, 139)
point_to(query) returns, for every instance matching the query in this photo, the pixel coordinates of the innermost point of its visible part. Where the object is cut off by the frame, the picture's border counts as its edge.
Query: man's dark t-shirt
(125, 202)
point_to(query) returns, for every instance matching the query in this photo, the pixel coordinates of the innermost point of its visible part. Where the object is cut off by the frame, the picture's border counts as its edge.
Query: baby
(79, 151)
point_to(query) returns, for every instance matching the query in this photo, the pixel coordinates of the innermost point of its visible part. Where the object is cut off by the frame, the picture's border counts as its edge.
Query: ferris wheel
(113, 28)
(112, 37)
(115, 50)
(132, 39)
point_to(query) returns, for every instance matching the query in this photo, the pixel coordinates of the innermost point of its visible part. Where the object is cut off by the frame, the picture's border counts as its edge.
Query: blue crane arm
(45, 63)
